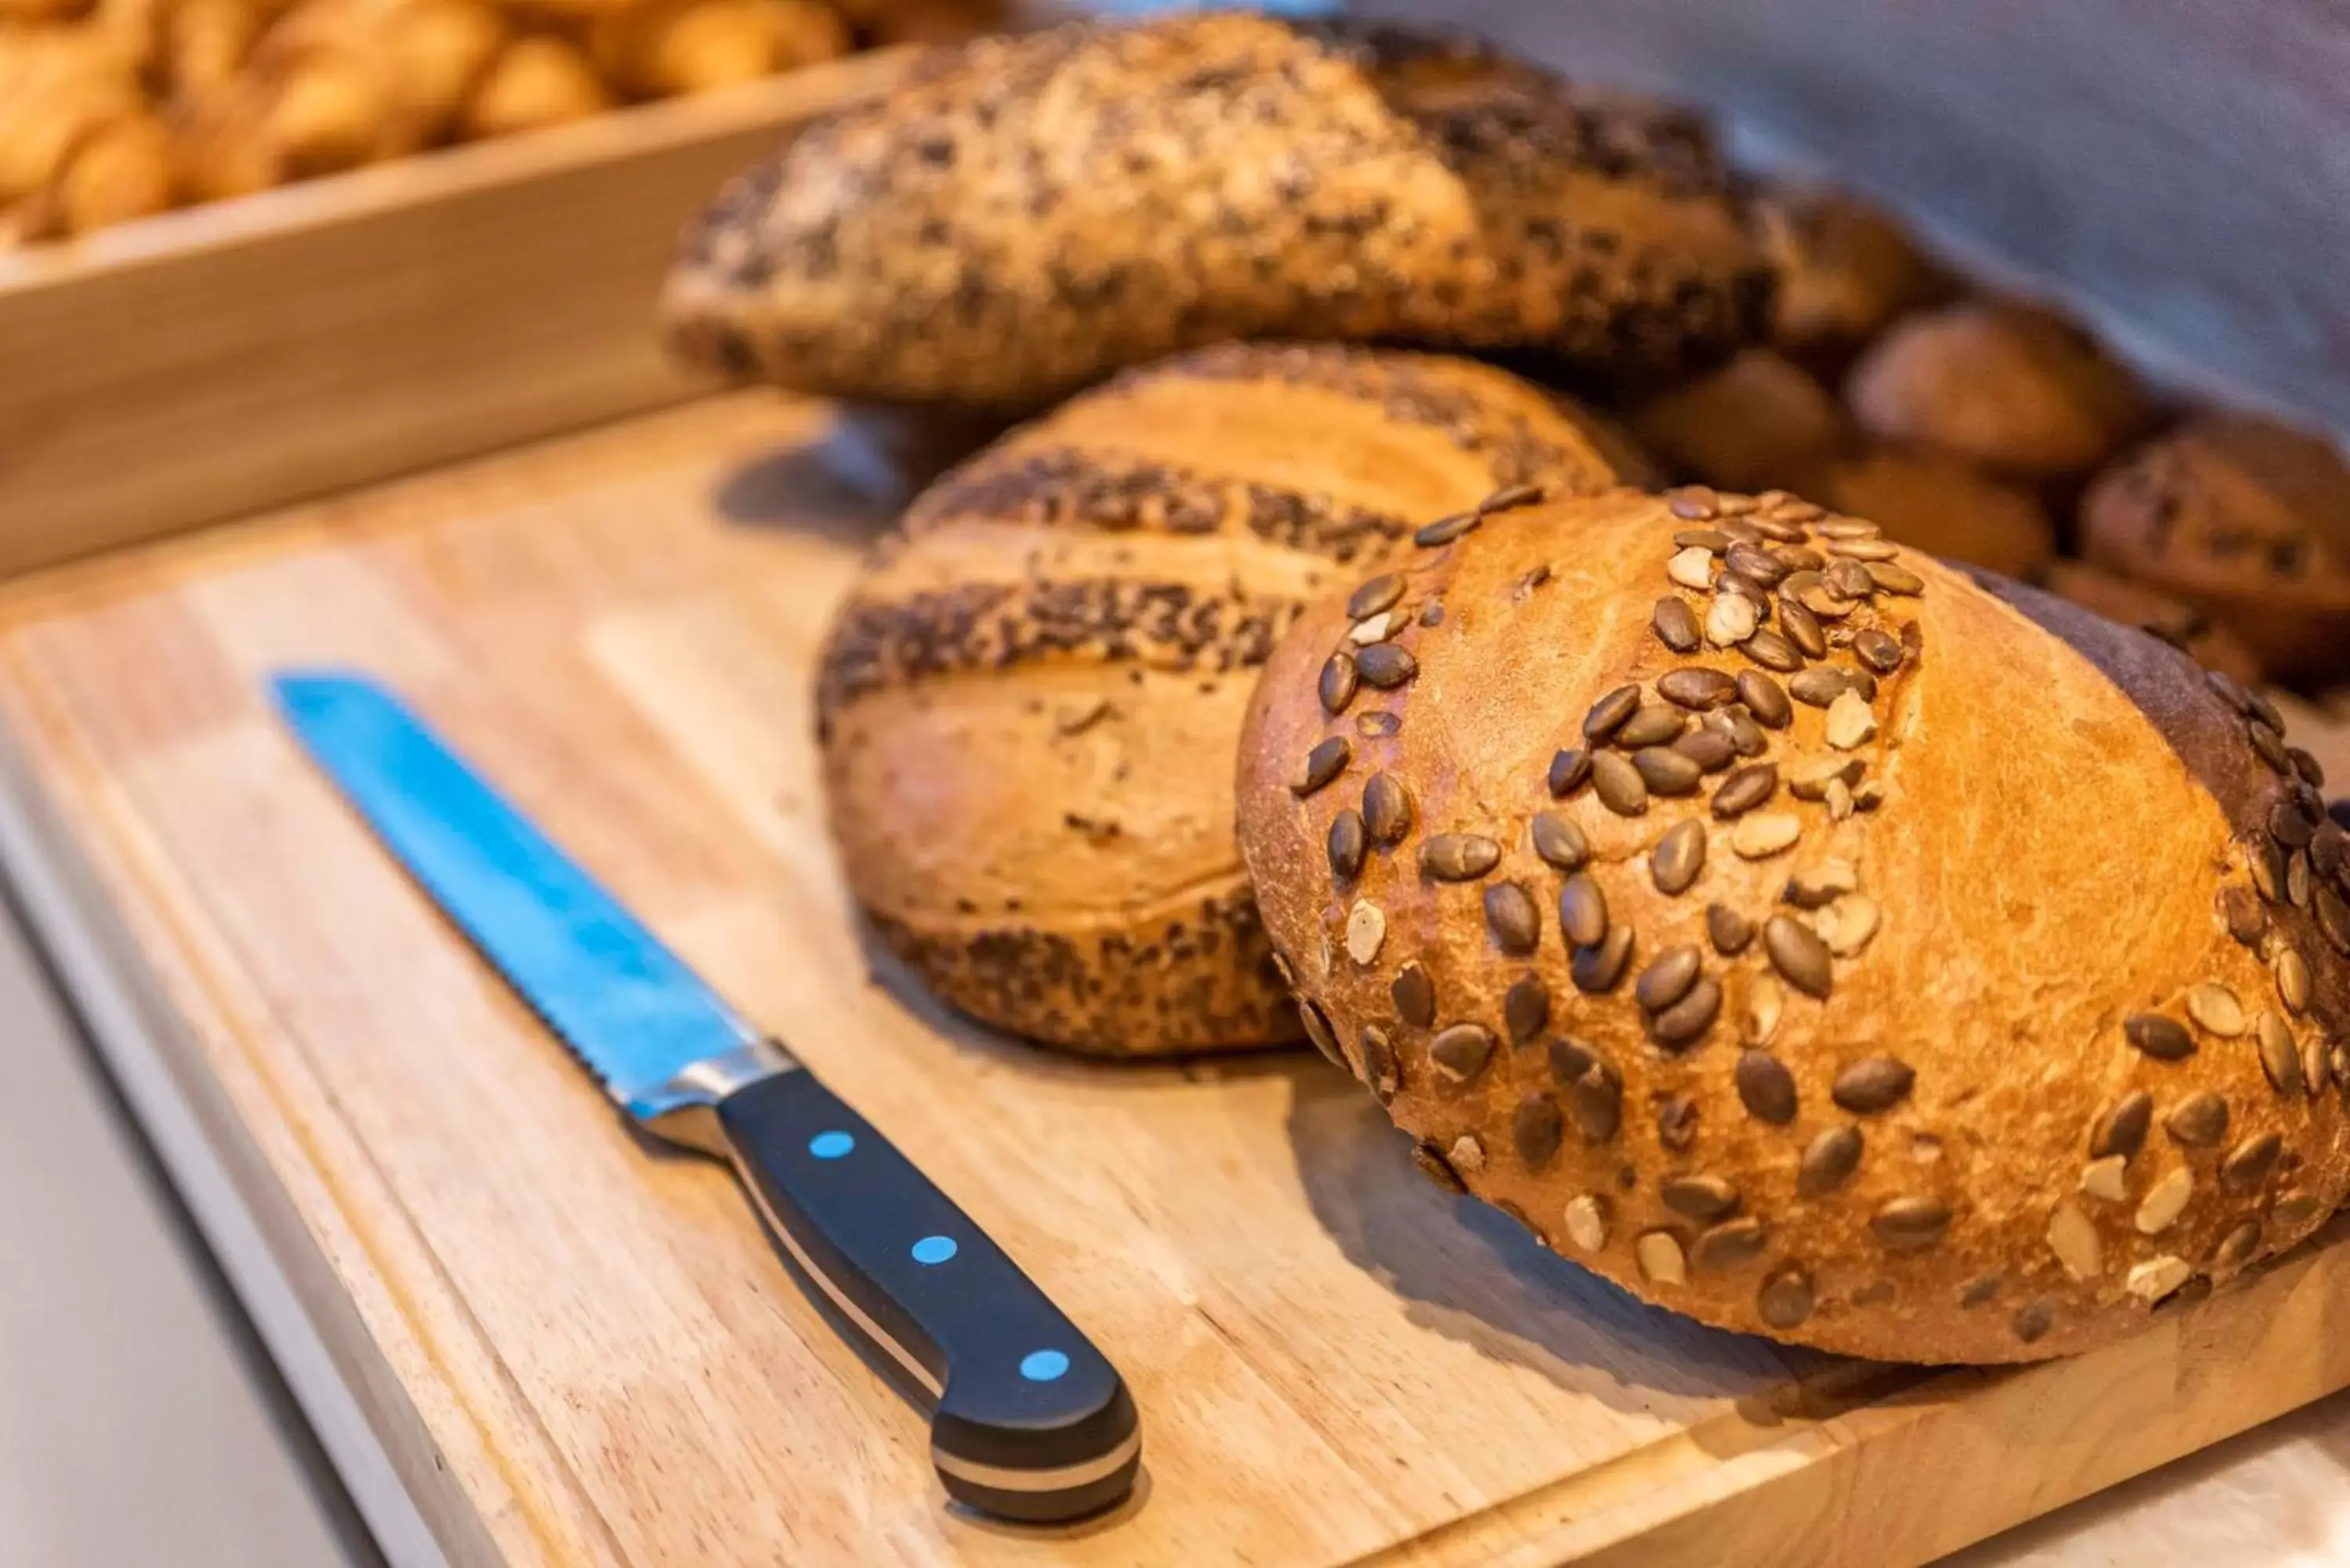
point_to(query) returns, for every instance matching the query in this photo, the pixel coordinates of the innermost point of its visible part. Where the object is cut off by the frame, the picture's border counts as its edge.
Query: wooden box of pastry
(524, 1339)
(202, 363)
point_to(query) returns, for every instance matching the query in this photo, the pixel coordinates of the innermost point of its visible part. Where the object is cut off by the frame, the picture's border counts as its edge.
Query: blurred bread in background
(1934, 502)
(1847, 271)
(1760, 422)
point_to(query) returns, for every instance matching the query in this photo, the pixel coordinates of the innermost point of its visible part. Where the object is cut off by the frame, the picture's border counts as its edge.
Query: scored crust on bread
(1812, 937)
(1024, 215)
(1030, 702)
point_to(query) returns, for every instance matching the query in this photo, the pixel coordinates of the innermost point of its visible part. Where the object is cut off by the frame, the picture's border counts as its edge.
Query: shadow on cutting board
(861, 469)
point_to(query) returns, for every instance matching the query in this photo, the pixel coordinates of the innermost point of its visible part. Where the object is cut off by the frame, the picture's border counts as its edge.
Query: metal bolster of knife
(684, 1110)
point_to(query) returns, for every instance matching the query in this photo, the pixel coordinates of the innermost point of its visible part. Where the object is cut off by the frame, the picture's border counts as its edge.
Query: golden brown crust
(1759, 421)
(2017, 390)
(1843, 1085)
(1030, 702)
(2245, 519)
(1944, 507)
(1030, 213)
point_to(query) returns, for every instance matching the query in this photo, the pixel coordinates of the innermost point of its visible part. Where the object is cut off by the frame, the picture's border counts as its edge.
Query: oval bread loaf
(1031, 701)
(1814, 939)
(1026, 215)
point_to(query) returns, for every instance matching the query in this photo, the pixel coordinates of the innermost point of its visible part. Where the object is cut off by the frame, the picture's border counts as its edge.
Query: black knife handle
(1031, 1423)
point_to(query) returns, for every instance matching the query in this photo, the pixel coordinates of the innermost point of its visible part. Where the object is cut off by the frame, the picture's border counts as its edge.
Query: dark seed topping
(2288, 827)
(2236, 1248)
(1444, 530)
(2249, 1163)
(1803, 629)
(1697, 687)
(1608, 714)
(2223, 686)
(1511, 496)
(1729, 1245)
(2329, 849)
(1700, 1197)
(1676, 627)
(2164, 1039)
(1559, 841)
(1745, 733)
(1414, 995)
(1850, 579)
(1461, 1051)
(1772, 651)
(1618, 785)
(1597, 967)
(1766, 1088)
(1432, 612)
(1684, 1024)
(2122, 1127)
(2033, 1320)
(1385, 666)
(2334, 919)
(2260, 708)
(1525, 1008)
(1458, 856)
(1784, 1301)
(1678, 857)
(1377, 724)
(1813, 786)
(1873, 1084)
(1381, 1071)
(1756, 566)
(1435, 1167)
(1824, 683)
(2269, 745)
(1744, 790)
(1582, 910)
(2241, 908)
(1666, 771)
(1669, 979)
(1877, 651)
(2311, 771)
(1568, 769)
(1677, 1117)
(1765, 700)
(1317, 1029)
(1514, 917)
(1386, 809)
(1906, 1224)
(1653, 725)
(1323, 763)
(1346, 842)
(1977, 1292)
(1595, 1093)
(1375, 595)
(1893, 577)
(1711, 749)
(1536, 1127)
(1731, 931)
(1337, 683)
(2198, 1121)
(1799, 955)
(1829, 1160)
(1710, 539)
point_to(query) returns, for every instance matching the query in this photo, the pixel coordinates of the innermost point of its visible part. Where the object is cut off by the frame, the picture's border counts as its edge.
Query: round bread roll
(2245, 519)
(1027, 214)
(1758, 422)
(1846, 270)
(2017, 390)
(1030, 704)
(2176, 622)
(1812, 937)
(1944, 507)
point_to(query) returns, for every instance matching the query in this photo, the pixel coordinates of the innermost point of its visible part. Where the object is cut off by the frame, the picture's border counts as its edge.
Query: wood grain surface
(211, 362)
(579, 1349)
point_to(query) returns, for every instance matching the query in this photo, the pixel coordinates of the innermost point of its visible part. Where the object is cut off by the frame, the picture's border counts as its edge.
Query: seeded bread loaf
(1031, 701)
(1027, 214)
(1809, 937)
(2015, 390)
(2245, 519)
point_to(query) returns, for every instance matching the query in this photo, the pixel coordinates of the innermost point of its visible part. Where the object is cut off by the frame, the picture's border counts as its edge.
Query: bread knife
(1029, 1421)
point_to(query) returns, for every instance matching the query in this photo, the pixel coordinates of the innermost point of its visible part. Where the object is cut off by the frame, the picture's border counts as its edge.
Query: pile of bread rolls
(112, 110)
(1770, 907)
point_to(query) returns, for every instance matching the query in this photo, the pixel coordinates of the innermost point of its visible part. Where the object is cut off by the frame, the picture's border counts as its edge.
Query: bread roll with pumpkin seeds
(1031, 701)
(1027, 214)
(1812, 937)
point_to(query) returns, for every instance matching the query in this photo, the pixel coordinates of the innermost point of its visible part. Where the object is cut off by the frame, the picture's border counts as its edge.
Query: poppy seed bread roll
(1024, 215)
(1811, 938)
(1030, 702)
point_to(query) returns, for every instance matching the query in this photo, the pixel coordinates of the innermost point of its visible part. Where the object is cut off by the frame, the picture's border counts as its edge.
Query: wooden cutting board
(572, 1349)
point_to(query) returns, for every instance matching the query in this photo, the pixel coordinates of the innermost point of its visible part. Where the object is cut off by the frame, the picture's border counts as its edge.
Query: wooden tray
(212, 362)
(530, 1340)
